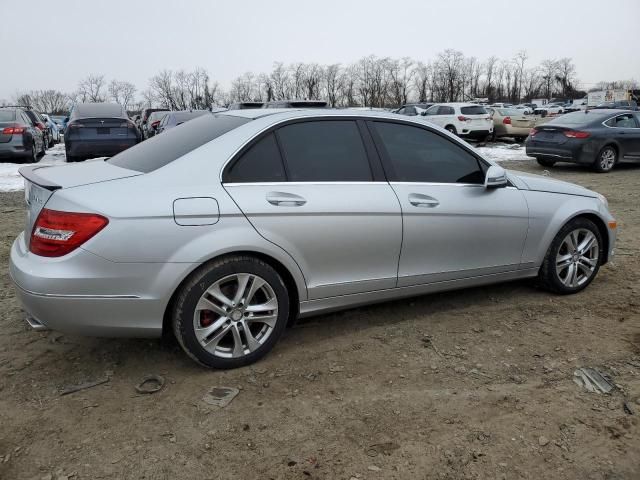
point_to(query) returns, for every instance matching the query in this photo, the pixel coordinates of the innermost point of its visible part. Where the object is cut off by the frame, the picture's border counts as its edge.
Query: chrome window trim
(267, 184)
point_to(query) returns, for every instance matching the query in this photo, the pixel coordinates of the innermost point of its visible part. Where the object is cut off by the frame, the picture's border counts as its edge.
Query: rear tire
(606, 159)
(451, 129)
(231, 312)
(573, 259)
(545, 162)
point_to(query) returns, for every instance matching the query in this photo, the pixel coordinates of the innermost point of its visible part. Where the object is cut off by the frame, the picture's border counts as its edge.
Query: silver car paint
(143, 255)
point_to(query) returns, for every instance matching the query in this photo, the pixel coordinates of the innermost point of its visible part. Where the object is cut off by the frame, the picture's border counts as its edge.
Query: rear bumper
(570, 151)
(84, 294)
(98, 148)
(13, 149)
(476, 133)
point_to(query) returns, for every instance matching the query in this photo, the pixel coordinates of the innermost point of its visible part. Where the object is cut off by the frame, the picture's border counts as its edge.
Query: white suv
(462, 119)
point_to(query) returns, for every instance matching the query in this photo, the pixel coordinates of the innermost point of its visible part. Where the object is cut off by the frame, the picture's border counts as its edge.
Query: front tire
(573, 259)
(606, 159)
(231, 312)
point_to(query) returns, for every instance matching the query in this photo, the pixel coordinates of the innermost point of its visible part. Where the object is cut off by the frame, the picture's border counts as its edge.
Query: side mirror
(496, 177)
(66, 119)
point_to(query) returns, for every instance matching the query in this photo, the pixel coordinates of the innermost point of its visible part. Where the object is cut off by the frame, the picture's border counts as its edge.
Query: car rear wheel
(231, 312)
(451, 129)
(573, 259)
(606, 159)
(545, 162)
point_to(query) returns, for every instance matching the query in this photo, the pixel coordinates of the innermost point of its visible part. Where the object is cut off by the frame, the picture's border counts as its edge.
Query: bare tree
(122, 92)
(400, 75)
(548, 70)
(92, 89)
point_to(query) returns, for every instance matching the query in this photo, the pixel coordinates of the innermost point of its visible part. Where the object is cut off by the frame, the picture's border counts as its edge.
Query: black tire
(603, 163)
(520, 139)
(51, 142)
(183, 315)
(545, 162)
(32, 157)
(451, 129)
(72, 159)
(43, 151)
(549, 277)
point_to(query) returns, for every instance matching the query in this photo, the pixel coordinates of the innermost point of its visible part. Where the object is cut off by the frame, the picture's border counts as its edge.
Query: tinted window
(418, 155)
(261, 163)
(445, 110)
(324, 151)
(432, 110)
(473, 110)
(160, 150)
(7, 115)
(622, 121)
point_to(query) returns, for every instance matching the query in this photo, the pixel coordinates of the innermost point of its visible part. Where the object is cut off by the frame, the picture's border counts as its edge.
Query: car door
(313, 189)
(624, 129)
(453, 227)
(433, 115)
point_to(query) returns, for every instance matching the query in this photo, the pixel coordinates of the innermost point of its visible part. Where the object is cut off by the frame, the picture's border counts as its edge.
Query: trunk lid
(41, 182)
(523, 121)
(96, 128)
(551, 134)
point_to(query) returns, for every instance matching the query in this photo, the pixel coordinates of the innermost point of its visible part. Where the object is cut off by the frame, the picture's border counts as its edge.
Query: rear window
(7, 115)
(577, 118)
(98, 110)
(506, 112)
(161, 150)
(473, 110)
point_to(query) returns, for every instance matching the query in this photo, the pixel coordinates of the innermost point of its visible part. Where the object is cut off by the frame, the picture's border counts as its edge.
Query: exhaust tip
(35, 324)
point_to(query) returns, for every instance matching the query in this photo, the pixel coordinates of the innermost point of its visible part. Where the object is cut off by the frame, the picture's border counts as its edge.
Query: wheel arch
(602, 228)
(283, 271)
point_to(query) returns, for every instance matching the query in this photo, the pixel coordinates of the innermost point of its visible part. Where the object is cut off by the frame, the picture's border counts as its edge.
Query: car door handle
(420, 200)
(283, 199)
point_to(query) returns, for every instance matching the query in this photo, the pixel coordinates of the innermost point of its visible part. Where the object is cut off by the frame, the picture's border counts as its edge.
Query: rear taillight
(57, 233)
(575, 134)
(462, 118)
(13, 130)
(155, 124)
(506, 120)
(40, 126)
(533, 132)
(73, 126)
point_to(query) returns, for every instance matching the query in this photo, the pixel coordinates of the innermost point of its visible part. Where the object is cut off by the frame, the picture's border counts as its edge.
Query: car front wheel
(231, 312)
(573, 259)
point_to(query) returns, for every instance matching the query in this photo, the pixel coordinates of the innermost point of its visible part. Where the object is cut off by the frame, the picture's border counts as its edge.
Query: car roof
(459, 104)
(84, 110)
(280, 114)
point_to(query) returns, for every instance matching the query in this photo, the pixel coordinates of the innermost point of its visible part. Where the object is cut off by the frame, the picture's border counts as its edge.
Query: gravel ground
(472, 384)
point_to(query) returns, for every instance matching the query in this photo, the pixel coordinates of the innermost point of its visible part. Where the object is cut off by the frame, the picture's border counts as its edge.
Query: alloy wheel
(577, 258)
(607, 159)
(236, 315)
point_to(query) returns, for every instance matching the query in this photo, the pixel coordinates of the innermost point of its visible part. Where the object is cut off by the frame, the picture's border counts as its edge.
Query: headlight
(604, 200)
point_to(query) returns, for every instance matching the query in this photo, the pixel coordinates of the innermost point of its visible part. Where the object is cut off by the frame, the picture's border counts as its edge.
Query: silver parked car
(228, 228)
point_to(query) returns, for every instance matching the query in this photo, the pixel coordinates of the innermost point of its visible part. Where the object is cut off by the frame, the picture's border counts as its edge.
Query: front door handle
(283, 199)
(420, 200)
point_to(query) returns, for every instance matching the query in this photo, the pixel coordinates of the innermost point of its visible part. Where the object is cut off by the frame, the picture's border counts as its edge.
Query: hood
(75, 174)
(541, 183)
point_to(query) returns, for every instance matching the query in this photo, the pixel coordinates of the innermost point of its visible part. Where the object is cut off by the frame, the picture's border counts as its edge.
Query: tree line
(371, 82)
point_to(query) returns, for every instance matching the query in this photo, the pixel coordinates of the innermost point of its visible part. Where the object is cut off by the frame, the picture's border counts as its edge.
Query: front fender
(549, 212)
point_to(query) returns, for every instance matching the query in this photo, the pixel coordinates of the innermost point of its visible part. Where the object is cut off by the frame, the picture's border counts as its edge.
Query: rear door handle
(284, 199)
(420, 200)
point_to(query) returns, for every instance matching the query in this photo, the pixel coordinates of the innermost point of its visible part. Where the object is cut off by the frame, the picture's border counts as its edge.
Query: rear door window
(261, 163)
(324, 151)
(444, 110)
(419, 155)
(160, 150)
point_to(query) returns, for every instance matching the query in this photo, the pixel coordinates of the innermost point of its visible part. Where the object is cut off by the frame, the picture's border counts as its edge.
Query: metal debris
(626, 406)
(220, 396)
(84, 386)
(593, 380)
(150, 384)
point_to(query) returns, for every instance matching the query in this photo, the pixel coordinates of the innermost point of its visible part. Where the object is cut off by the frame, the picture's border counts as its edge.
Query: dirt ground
(472, 384)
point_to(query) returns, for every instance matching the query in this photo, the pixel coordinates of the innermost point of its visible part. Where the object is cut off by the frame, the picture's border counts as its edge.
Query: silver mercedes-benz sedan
(226, 228)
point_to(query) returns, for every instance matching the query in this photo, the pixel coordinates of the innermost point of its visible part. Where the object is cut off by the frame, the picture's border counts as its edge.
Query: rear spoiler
(30, 174)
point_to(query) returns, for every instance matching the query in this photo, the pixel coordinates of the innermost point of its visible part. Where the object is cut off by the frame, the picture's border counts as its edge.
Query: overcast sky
(55, 43)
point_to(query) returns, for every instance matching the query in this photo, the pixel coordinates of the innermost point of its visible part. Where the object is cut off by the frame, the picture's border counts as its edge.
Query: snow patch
(10, 179)
(500, 152)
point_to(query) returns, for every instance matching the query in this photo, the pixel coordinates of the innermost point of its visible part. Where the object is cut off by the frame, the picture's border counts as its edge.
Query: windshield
(161, 150)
